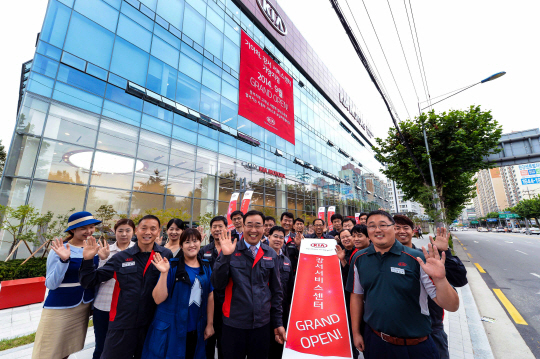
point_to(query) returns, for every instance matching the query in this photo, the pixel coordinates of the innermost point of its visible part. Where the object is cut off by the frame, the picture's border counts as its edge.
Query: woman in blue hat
(64, 319)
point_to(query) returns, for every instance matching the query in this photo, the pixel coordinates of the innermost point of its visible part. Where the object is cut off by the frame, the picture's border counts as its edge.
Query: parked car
(523, 230)
(500, 229)
(533, 230)
(516, 230)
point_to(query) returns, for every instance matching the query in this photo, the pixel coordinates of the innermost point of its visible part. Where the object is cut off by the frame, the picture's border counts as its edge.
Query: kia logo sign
(319, 245)
(271, 120)
(273, 17)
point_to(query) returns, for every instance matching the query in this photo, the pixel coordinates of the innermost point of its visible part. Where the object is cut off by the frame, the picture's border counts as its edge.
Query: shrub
(35, 267)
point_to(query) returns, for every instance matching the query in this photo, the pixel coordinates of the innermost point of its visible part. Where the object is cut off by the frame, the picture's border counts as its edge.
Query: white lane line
(536, 275)
(522, 252)
(508, 242)
(475, 241)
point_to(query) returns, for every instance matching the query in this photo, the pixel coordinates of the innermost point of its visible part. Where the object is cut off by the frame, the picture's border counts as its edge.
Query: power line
(419, 50)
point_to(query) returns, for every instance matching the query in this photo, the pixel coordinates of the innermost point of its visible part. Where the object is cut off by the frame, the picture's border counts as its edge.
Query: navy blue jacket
(253, 294)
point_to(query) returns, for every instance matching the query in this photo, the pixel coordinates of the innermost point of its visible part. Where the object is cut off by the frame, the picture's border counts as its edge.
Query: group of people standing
(233, 296)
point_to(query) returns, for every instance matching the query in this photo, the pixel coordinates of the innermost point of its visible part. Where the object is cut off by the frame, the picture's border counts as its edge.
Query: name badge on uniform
(128, 264)
(397, 270)
(208, 254)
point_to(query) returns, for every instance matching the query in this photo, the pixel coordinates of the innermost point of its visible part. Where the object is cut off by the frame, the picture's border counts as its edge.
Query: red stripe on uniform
(228, 297)
(149, 261)
(114, 301)
(259, 255)
(352, 255)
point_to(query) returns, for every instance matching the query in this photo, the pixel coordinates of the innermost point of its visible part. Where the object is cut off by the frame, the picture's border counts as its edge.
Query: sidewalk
(466, 336)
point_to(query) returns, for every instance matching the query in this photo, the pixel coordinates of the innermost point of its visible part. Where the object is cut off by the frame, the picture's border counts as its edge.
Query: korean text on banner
(266, 91)
(357, 218)
(318, 324)
(331, 211)
(322, 211)
(232, 208)
(245, 201)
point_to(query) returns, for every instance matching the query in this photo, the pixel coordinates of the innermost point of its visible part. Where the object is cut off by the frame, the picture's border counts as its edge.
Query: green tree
(2, 157)
(458, 143)
(21, 223)
(105, 213)
(528, 208)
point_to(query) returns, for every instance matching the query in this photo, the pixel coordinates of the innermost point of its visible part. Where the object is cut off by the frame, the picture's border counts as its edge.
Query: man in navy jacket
(248, 271)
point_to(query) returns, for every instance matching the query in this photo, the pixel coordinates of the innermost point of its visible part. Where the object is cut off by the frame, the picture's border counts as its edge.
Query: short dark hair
(149, 216)
(269, 218)
(360, 229)
(403, 220)
(319, 219)
(381, 213)
(219, 219)
(362, 214)
(288, 215)
(276, 229)
(179, 223)
(254, 213)
(124, 221)
(347, 219)
(235, 213)
(299, 220)
(336, 216)
(189, 233)
(343, 230)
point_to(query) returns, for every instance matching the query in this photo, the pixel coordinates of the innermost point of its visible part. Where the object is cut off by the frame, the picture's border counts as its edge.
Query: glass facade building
(134, 104)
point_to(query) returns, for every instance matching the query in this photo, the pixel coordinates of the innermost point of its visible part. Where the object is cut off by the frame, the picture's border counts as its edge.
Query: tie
(253, 250)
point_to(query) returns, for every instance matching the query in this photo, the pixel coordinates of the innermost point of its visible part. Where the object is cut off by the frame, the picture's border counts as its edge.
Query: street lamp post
(487, 79)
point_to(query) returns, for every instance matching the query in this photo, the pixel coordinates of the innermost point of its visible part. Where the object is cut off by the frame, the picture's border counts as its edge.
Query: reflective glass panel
(154, 147)
(56, 24)
(112, 170)
(181, 182)
(151, 178)
(129, 61)
(59, 161)
(117, 137)
(70, 125)
(103, 196)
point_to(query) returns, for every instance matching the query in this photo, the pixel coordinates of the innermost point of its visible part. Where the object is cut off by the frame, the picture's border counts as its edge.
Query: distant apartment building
(401, 206)
(490, 191)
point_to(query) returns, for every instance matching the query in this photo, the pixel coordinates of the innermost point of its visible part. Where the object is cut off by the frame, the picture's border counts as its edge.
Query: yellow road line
(480, 269)
(464, 248)
(469, 255)
(510, 307)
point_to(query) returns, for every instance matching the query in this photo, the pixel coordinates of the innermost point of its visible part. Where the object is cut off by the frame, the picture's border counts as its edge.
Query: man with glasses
(319, 227)
(395, 282)
(455, 273)
(248, 271)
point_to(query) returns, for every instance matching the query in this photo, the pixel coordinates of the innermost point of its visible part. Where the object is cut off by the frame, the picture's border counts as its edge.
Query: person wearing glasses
(248, 272)
(319, 227)
(395, 282)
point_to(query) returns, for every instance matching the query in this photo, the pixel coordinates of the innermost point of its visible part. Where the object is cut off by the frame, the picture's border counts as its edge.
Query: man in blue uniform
(319, 227)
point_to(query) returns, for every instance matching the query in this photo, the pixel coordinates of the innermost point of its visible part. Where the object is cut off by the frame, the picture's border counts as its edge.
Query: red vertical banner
(331, 211)
(266, 91)
(232, 208)
(357, 218)
(322, 211)
(246, 200)
(318, 324)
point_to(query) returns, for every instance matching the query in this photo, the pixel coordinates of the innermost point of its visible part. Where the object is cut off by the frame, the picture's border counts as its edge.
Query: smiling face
(337, 224)
(318, 227)
(404, 234)
(82, 233)
(174, 233)
(253, 229)
(123, 234)
(363, 219)
(276, 240)
(360, 240)
(346, 239)
(299, 227)
(287, 223)
(217, 228)
(268, 224)
(191, 247)
(237, 222)
(147, 232)
(381, 232)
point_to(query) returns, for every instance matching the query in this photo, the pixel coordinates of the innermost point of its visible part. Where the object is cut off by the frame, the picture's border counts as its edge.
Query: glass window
(113, 170)
(89, 41)
(157, 111)
(114, 3)
(76, 97)
(40, 84)
(117, 137)
(207, 161)
(188, 92)
(96, 71)
(58, 198)
(32, 116)
(45, 65)
(117, 80)
(165, 52)
(182, 155)
(81, 80)
(152, 178)
(155, 125)
(151, 4)
(70, 125)
(119, 95)
(161, 78)
(99, 12)
(210, 103)
(190, 67)
(231, 55)
(73, 61)
(187, 50)
(229, 112)
(202, 207)
(142, 202)
(59, 161)
(211, 80)
(208, 142)
(134, 33)
(182, 204)
(137, 16)
(154, 147)
(56, 24)
(213, 40)
(205, 186)
(172, 11)
(23, 156)
(215, 19)
(229, 91)
(232, 31)
(121, 113)
(167, 37)
(185, 122)
(226, 169)
(48, 50)
(103, 196)
(181, 182)
(184, 135)
(194, 24)
(129, 61)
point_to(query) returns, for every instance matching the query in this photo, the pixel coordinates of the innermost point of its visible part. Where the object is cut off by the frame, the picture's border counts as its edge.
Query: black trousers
(245, 343)
(101, 326)
(376, 348)
(191, 344)
(124, 343)
(216, 338)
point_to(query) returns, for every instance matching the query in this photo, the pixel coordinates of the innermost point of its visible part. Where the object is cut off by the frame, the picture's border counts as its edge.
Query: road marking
(521, 252)
(475, 241)
(536, 275)
(480, 269)
(469, 255)
(464, 248)
(509, 242)
(510, 307)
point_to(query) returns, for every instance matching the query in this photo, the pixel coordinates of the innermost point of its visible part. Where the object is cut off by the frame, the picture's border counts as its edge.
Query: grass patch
(6, 344)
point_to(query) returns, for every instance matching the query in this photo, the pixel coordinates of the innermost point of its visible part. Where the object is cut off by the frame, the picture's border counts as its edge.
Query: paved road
(512, 264)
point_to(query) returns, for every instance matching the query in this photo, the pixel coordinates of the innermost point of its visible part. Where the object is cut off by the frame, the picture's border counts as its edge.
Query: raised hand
(202, 232)
(58, 247)
(434, 266)
(298, 239)
(227, 246)
(161, 263)
(280, 335)
(341, 255)
(104, 251)
(91, 248)
(441, 239)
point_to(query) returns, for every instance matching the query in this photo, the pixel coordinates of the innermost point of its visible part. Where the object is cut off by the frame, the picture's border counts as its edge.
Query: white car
(533, 231)
(516, 230)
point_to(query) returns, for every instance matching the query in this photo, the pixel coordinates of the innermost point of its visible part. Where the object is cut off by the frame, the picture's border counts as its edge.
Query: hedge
(35, 267)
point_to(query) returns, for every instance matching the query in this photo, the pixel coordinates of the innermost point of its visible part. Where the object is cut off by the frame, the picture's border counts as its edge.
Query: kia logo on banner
(319, 245)
(273, 17)
(271, 120)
